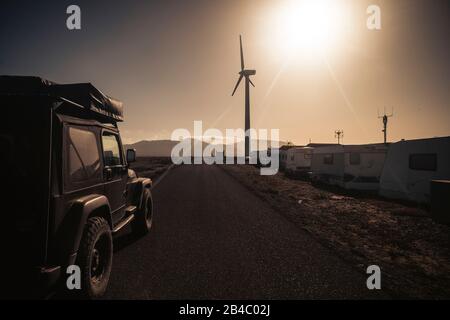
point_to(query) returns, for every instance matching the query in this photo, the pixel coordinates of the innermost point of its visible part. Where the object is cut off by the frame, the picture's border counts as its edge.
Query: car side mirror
(131, 155)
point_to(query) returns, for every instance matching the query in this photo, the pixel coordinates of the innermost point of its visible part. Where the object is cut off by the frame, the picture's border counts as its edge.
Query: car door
(115, 173)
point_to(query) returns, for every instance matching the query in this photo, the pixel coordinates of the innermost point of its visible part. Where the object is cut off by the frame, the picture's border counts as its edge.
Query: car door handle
(108, 174)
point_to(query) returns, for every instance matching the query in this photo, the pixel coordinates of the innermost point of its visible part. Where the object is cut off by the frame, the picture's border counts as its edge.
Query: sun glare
(309, 26)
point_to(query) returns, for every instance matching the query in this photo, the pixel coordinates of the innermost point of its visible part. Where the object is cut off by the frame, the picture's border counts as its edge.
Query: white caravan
(298, 161)
(283, 155)
(356, 167)
(411, 165)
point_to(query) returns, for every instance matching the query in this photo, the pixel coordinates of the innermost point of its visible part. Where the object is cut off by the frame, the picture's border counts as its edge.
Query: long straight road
(213, 239)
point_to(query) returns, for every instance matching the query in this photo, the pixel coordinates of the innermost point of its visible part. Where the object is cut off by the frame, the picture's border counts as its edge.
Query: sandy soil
(412, 250)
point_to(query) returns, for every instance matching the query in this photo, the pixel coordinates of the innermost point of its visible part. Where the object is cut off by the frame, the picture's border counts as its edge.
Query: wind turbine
(245, 73)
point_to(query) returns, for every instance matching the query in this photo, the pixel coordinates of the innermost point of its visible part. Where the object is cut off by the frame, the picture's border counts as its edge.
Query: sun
(308, 26)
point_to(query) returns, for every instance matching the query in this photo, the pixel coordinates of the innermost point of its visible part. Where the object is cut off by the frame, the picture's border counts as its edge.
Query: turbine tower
(245, 73)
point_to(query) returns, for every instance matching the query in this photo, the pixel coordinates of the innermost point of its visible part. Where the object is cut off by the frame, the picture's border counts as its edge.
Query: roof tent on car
(84, 95)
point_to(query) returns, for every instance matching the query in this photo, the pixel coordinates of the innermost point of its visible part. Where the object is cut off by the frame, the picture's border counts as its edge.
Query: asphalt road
(213, 239)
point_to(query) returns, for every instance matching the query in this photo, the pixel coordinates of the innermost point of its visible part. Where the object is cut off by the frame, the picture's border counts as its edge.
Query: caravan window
(423, 161)
(328, 159)
(355, 158)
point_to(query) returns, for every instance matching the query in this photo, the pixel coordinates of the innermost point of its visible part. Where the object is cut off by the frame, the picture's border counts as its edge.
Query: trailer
(283, 155)
(355, 167)
(411, 166)
(298, 161)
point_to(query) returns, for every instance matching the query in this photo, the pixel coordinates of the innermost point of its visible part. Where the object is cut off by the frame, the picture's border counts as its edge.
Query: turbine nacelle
(247, 73)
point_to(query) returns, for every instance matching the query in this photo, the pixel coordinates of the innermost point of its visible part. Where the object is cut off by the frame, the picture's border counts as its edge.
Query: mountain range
(163, 148)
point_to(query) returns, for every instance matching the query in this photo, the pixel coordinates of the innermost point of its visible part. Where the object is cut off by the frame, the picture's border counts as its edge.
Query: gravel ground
(412, 250)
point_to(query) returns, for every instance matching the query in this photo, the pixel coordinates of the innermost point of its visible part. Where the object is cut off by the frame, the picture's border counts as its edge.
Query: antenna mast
(339, 134)
(385, 118)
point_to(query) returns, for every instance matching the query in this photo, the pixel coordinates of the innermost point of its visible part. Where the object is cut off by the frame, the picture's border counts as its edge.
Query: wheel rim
(100, 257)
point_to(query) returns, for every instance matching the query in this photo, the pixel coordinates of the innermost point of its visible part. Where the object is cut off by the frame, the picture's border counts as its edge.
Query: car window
(83, 158)
(111, 150)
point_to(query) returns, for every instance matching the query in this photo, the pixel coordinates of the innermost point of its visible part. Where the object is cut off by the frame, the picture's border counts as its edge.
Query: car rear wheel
(95, 258)
(144, 217)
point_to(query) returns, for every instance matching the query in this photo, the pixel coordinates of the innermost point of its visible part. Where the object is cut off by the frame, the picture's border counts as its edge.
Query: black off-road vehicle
(66, 186)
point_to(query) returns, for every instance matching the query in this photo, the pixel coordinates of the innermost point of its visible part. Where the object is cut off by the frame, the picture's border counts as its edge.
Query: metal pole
(247, 117)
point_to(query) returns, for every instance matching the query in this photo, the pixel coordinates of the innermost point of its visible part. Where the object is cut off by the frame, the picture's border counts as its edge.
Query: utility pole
(385, 118)
(339, 134)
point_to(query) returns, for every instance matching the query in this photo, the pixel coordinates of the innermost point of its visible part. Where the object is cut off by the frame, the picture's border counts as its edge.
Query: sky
(173, 62)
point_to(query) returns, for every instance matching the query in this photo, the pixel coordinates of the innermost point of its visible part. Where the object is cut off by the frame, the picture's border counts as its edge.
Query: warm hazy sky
(173, 62)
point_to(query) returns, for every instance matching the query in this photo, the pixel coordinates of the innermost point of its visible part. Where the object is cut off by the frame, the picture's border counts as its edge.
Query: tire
(95, 258)
(142, 223)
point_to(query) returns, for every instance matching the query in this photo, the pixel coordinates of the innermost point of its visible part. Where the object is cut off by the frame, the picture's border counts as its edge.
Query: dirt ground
(412, 251)
(151, 167)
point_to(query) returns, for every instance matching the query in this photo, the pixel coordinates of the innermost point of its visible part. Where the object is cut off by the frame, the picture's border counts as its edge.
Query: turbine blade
(242, 54)
(251, 82)
(237, 85)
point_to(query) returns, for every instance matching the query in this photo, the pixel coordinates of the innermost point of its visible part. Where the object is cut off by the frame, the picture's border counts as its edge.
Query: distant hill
(156, 148)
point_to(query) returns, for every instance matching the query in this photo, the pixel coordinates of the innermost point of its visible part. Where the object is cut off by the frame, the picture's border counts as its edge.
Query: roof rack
(84, 95)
